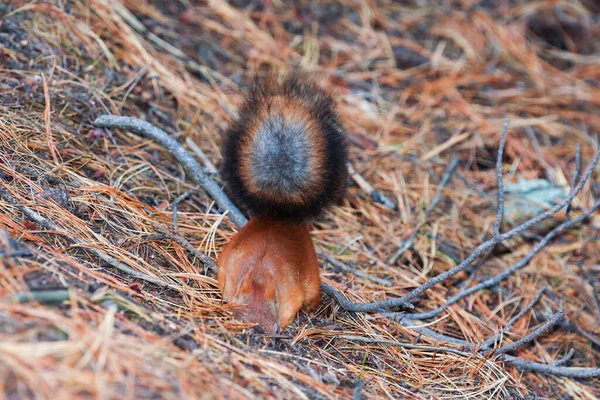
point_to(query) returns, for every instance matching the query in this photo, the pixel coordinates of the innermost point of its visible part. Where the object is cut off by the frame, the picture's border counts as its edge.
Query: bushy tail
(285, 158)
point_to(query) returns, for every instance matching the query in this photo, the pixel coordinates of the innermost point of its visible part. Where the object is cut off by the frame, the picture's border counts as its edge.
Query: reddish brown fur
(269, 271)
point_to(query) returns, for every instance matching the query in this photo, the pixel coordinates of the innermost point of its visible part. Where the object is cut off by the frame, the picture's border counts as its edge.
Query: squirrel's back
(285, 157)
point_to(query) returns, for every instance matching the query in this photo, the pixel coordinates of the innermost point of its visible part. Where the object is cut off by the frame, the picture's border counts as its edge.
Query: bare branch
(363, 339)
(198, 174)
(555, 319)
(409, 242)
(549, 369)
(523, 365)
(344, 267)
(209, 264)
(404, 301)
(521, 264)
(366, 186)
(575, 175)
(50, 225)
(507, 235)
(179, 199)
(357, 307)
(500, 205)
(506, 328)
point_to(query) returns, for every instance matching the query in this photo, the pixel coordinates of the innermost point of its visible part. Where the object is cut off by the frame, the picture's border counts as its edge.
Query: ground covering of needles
(464, 262)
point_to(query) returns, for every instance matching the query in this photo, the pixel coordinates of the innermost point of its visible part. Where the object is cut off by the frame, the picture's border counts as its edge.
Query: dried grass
(414, 85)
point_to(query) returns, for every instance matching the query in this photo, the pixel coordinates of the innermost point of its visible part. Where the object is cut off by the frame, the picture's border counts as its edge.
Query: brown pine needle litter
(433, 287)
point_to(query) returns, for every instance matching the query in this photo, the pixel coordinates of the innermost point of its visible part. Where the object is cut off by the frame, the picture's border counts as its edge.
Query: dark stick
(500, 205)
(357, 307)
(555, 319)
(513, 232)
(179, 199)
(395, 343)
(150, 131)
(521, 264)
(346, 268)
(366, 186)
(50, 225)
(404, 301)
(209, 264)
(409, 242)
(575, 175)
(523, 365)
(489, 342)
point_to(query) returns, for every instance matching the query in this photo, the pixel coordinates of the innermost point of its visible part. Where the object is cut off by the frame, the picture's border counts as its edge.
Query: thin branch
(395, 343)
(500, 205)
(555, 319)
(366, 186)
(521, 264)
(550, 369)
(209, 264)
(405, 300)
(565, 359)
(198, 174)
(409, 242)
(507, 235)
(338, 264)
(50, 225)
(358, 307)
(179, 199)
(489, 342)
(519, 363)
(575, 175)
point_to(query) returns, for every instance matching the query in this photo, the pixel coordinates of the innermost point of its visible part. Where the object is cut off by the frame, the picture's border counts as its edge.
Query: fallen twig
(575, 176)
(555, 319)
(346, 268)
(201, 178)
(524, 365)
(46, 223)
(366, 186)
(499, 182)
(482, 248)
(409, 242)
(179, 199)
(366, 307)
(209, 264)
(521, 264)
(489, 342)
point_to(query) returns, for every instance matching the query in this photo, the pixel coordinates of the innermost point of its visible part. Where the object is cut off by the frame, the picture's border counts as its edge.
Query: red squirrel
(284, 163)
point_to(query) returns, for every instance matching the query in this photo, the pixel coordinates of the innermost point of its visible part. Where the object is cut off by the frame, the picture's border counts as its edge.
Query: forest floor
(420, 85)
